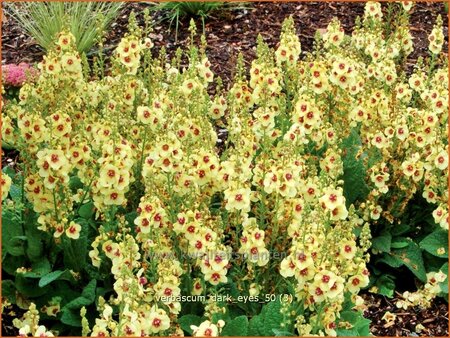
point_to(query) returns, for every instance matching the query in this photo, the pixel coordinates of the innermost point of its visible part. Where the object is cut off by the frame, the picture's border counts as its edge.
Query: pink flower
(16, 75)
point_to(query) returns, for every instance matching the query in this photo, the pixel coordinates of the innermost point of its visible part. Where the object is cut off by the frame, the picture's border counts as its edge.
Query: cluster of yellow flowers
(143, 139)
(436, 38)
(146, 305)
(425, 295)
(64, 60)
(29, 324)
(289, 49)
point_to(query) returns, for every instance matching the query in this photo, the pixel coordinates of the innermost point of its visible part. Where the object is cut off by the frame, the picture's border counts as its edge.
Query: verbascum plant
(124, 209)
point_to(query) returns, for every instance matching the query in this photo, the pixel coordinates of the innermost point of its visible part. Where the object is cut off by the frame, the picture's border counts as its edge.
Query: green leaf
(62, 289)
(399, 243)
(431, 262)
(12, 236)
(87, 210)
(385, 285)
(361, 325)
(348, 304)
(400, 229)
(267, 321)
(187, 320)
(9, 171)
(130, 217)
(55, 275)
(220, 316)
(382, 243)
(10, 263)
(15, 192)
(272, 317)
(87, 297)
(236, 311)
(39, 268)
(9, 290)
(355, 187)
(71, 317)
(281, 333)
(255, 326)
(77, 303)
(238, 327)
(75, 183)
(16, 245)
(35, 237)
(29, 287)
(76, 251)
(89, 290)
(411, 256)
(392, 261)
(435, 242)
(374, 156)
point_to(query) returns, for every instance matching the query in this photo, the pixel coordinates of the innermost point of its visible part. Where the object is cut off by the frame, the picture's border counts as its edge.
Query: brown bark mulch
(434, 319)
(229, 32)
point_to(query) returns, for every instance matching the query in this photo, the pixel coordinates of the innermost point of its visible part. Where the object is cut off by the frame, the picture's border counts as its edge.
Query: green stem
(55, 205)
(22, 211)
(141, 162)
(84, 196)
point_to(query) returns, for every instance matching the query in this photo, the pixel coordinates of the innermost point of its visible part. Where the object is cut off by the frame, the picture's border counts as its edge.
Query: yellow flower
(441, 160)
(373, 10)
(347, 249)
(158, 320)
(197, 288)
(65, 40)
(339, 213)
(167, 291)
(238, 199)
(56, 159)
(5, 185)
(52, 310)
(73, 230)
(71, 63)
(355, 283)
(218, 261)
(216, 277)
(188, 86)
(113, 197)
(206, 329)
(287, 267)
(389, 317)
(147, 43)
(51, 66)
(42, 332)
(375, 213)
(332, 198)
(109, 176)
(144, 114)
(379, 141)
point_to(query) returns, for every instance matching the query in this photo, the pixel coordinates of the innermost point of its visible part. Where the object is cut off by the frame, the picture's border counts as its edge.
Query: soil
(9, 314)
(434, 319)
(230, 32)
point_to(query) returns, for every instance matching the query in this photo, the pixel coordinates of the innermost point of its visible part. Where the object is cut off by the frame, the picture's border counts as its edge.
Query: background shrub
(43, 20)
(175, 10)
